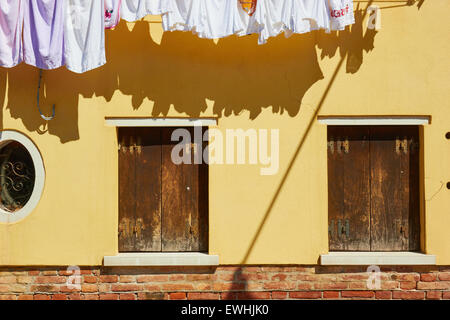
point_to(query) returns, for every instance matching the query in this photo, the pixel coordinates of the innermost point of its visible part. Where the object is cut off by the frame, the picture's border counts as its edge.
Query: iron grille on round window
(17, 176)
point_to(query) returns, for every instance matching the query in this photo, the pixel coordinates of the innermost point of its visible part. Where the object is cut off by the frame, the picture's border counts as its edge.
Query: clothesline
(49, 34)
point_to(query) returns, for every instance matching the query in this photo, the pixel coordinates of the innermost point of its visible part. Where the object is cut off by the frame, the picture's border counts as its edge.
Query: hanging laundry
(209, 19)
(11, 21)
(289, 16)
(222, 19)
(43, 33)
(341, 14)
(133, 10)
(84, 29)
(184, 15)
(112, 13)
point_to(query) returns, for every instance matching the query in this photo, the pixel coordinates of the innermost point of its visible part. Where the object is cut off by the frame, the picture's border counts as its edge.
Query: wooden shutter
(373, 188)
(140, 189)
(162, 206)
(348, 188)
(184, 193)
(394, 157)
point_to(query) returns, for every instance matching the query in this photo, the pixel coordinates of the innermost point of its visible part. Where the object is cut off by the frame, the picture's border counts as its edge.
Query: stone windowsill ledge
(377, 258)
(161, 259)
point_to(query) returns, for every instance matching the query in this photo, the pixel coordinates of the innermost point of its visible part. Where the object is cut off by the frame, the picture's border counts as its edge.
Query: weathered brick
(358, 285)
(228, 286)
(439, 285)
(70, 289)
(127, 278)
(109, 296)
(152, 287)
(45, 288)
(18, 288)
(308, 285)
(331, 285)
(127, 296)
(25, 297)
(279, 277)
(91, 296)
(152, 296)
(41, 297)
(85, 271)
(389, 285)
(74, 296)
(152, 278)
(177, 277)
(177, 296)
(253, 277)
(24, 279)
(384, 295)
(357, 294)
(8, 279)
(8, 297)
(305, 295)
(89, 287)
(253, 295)
(228, 276)
(59, 296)
(353, 276)
(125, 287)
(331, 294)
(317, 277)
(444, 276)
(228, 295)
(49, 273)
(199, 277)
(408, 285)
(50, 279)
(280, 285)
(203, 296)
(408, 295)
(4, 288)
(446, 295)
(428, 277)
(104, 287)
(406, 277)
(90, 279)
(279, 295)
(434, 295)
(109, 278)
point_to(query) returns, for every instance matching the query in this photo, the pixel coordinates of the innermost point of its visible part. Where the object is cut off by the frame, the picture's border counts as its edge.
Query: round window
(16, 176)
(21, 176)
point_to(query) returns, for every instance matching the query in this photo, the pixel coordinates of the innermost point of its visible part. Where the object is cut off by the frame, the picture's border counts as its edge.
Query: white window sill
(377, 258)
(161, 259)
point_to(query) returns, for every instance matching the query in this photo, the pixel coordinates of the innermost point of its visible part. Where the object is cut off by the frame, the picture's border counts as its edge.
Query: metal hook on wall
(40, 112)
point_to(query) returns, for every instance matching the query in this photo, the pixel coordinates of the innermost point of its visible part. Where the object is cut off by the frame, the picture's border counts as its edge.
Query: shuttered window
(163, 207)
(373, 188)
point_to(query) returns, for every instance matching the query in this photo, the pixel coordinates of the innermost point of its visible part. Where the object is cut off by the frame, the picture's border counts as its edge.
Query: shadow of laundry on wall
(182, 72)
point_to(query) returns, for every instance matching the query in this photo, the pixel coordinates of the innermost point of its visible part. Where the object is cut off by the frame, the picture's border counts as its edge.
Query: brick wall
(224, 282)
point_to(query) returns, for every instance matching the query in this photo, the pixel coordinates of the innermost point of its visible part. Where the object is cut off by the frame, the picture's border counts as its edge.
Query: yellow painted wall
(403, 69)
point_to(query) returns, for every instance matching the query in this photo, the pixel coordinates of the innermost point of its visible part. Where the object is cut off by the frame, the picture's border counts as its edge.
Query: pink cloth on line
(43, 33)
(11, 17)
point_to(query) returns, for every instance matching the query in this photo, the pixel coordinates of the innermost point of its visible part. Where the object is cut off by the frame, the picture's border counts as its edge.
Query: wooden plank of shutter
(357, 188)
(127, 188)
(148, 190)
(414, 189)
(349, 185)
(335, 190)
(181, 221)
(394, 212)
